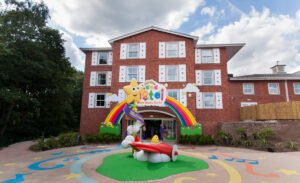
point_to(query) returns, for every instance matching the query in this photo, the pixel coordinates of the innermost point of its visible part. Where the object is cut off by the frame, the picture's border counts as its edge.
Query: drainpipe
(286, 91)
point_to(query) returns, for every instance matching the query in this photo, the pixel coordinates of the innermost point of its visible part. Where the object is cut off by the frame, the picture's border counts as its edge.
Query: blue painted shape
(76, 168)
(57, 153)
(69, 159)
(229, 159)
(19, 178)
(213, 157)
(37, 165)
(241, 160)
(253, 162)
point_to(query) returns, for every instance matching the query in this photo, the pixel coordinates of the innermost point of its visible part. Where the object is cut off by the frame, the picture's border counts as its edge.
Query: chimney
(278, 69)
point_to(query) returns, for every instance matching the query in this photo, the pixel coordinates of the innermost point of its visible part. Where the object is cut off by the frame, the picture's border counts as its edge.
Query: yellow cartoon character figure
(133, 92)
(155, 139)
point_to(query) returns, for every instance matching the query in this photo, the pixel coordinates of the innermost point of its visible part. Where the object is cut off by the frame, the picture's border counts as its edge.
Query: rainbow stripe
(185, 116)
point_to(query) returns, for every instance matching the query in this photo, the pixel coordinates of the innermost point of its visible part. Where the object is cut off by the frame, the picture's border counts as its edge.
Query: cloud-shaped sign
(113, 98)
(191, 88)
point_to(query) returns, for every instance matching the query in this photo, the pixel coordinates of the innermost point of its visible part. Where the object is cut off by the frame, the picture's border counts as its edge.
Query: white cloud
(268, 38)
(203, 31)
(210, 11)
(191, 88)
(72, 51)
(112, 18)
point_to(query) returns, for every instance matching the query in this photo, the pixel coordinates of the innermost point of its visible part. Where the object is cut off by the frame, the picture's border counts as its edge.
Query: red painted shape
(162, 148)
(251, 171)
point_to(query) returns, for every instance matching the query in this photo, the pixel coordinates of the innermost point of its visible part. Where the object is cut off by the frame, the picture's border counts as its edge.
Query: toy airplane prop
(161, 148)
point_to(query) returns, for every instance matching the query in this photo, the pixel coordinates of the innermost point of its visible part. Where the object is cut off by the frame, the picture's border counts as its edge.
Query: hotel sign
(153, 94)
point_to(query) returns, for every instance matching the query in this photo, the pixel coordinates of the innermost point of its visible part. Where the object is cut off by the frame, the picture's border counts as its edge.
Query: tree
(36, 79)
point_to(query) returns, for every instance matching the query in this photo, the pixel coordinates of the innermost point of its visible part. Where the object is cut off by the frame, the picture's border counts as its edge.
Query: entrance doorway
(152, 128)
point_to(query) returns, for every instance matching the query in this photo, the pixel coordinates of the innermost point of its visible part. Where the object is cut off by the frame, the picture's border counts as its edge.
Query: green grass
(124, 167)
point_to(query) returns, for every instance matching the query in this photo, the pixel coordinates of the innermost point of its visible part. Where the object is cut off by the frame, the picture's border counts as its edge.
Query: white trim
(286, 91)
(245, 104)
(97, 78)
(168, 66)
(95, 100)
(138, 51)
(213, 77)
(166, 49)
(253, 91)
(126, 76)
(157, 111)
(214, 100)
(295, 88)
(263, 78)
(278, 89)
(152, 28)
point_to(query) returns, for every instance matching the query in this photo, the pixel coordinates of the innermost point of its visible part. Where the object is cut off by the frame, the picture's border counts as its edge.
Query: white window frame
(212, 56)
(97, 79)
(167, 73)
(174, 91)
(277, 88)
(127, 73)
(295, 91)
(214, 100)
(99, 56)
(167, 50)
(252, 93)
(138, 50)
(212, 77)
(96, 95)
(246, 104)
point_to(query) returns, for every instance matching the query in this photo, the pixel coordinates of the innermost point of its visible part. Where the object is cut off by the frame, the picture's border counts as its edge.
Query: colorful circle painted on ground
(124, 167)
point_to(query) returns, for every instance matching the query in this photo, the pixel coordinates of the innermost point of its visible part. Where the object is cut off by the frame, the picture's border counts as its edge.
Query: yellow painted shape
(1, 172)
(37, 158)
(289, 172)
(211, 174)
(72, 176)
(79, 151)
(9, 164)
(234, 176)
(181, 179)
(155, 139)
(261, 158)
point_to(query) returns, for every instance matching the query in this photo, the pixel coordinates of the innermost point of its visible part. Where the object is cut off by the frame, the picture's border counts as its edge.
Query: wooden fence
(276, 111)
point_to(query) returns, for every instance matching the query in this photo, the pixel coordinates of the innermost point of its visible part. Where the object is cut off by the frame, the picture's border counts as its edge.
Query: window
(209, 100)
(208, 77)
(101, 79)
(273, 88)
(297, 88)
(132, 73)
(248, 88)
(174, 94)
(133, 50)
(100, 100)
(103, 57)
(172, 73)
(207, 56)
(172, 49)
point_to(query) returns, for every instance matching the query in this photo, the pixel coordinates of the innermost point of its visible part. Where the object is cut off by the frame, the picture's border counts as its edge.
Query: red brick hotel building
(175, 59)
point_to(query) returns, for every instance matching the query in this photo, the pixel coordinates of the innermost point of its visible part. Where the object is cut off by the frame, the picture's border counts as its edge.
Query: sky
(270, 28)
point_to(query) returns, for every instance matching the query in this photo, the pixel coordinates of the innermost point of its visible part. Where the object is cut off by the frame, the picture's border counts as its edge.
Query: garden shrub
(196, 139)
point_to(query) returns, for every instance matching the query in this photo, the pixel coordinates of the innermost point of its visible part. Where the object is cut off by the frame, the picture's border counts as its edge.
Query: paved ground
(78, 164)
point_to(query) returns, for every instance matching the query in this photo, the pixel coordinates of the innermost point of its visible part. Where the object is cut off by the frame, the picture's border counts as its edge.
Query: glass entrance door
(170, 129)
(151, 128)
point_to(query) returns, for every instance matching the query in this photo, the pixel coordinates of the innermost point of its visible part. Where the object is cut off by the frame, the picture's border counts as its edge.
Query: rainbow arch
(185, 116)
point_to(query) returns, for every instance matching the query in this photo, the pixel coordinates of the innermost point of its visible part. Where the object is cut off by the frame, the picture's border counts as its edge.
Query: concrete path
(78, 164)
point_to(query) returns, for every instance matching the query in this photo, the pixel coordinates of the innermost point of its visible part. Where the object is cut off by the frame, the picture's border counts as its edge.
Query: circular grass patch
(124, 167)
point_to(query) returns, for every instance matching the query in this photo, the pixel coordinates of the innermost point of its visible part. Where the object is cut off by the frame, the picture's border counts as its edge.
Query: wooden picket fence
(272, 111)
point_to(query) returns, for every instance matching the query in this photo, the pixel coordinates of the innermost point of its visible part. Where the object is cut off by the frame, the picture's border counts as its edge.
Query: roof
(195, 38)
(96, 49)
(231, 49)
(257, 77)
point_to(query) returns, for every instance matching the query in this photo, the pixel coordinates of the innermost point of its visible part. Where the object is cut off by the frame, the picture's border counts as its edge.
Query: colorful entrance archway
(185, 116)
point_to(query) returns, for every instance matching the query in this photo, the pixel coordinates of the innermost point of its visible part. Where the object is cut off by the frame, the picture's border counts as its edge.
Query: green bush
(63, 140)
(67, 139)
(196, 139)
(223, 138)
(102, 138)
